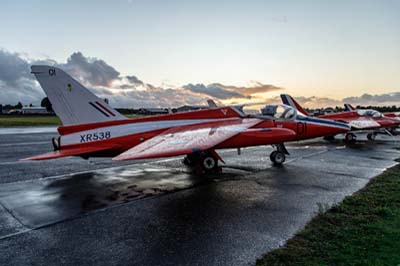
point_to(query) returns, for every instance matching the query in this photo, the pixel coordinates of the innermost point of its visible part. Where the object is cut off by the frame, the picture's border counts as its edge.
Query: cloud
(134, 80)
(377, 99)
(90, 70)
(223, 92)
(215, 90)
(12, 67)
(16, 82)
(255, 89)
(318, 102)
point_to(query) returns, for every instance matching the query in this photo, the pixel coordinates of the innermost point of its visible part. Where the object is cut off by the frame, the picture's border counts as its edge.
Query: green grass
(35, 120)
(362, 230)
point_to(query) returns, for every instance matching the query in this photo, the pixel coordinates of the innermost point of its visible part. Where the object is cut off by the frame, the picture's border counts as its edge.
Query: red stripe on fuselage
(105, 109)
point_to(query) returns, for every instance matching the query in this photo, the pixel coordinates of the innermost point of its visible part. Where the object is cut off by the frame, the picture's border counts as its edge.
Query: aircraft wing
(360, 123)
(187, 139)
(68, 152)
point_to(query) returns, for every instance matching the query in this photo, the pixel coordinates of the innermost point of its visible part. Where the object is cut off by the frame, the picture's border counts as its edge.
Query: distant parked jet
(359, 120)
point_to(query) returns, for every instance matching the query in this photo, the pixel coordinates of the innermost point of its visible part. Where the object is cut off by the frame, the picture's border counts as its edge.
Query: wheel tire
(350, 137)
(272, 156)
(278, 157)
(371, 136)
(209, 164)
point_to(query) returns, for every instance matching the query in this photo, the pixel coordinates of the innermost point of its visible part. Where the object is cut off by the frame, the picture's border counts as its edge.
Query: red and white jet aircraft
(91, 128)
(359, 120)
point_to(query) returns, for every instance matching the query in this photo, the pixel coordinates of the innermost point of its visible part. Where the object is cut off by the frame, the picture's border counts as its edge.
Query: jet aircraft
(91, 128)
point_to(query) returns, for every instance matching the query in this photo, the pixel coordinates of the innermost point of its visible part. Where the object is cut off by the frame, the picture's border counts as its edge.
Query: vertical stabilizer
(288, 100)
(348, 107)
(72, 102)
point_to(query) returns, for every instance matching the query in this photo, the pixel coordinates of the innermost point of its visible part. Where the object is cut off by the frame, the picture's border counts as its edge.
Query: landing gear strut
(204, 162)
(278, 156)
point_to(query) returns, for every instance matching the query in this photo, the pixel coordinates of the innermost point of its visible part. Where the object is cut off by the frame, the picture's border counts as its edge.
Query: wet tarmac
(155, 212)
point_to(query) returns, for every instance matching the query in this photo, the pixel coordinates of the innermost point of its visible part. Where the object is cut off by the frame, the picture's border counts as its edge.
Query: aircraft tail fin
(211, 104)
(349, 107)
(288, 100)
(71, 101)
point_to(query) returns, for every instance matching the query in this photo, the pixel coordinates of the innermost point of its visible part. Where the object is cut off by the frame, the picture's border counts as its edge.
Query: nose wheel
(278, 156)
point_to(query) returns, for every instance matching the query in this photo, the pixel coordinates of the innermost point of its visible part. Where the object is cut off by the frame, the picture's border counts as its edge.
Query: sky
(323, 52)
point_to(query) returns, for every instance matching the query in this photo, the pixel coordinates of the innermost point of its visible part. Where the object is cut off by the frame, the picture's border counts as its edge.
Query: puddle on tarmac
(46, 201)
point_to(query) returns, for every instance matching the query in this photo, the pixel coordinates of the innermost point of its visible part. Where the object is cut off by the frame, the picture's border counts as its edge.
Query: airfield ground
(98, 212)
(364, 229)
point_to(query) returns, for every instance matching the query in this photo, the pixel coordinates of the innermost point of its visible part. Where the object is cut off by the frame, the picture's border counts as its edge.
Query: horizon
(184, 52)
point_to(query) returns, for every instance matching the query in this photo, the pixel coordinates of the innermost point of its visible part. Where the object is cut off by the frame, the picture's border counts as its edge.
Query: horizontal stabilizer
(67, 152)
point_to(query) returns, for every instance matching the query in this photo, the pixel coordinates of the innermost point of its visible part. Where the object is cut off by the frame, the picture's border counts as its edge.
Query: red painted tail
(288, 100)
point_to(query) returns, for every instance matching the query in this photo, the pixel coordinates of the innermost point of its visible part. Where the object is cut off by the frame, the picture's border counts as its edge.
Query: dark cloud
(134, 80)
(12, 68)
(90, 70)
(215, 90)
(16, 82)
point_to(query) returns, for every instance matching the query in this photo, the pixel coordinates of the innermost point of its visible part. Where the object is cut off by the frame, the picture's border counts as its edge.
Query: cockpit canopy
(369, 113)
(279, 111)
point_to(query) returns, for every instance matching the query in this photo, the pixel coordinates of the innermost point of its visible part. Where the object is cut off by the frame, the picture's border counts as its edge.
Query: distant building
(152, 111)
(34, 110)
(186, 108)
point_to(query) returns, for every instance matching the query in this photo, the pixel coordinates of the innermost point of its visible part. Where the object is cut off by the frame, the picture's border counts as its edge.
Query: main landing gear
(350, 137)
(329, 138)
(204, 162)
(278, 156)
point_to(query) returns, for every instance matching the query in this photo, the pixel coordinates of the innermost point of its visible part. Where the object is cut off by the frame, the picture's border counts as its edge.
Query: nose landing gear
(278, 156)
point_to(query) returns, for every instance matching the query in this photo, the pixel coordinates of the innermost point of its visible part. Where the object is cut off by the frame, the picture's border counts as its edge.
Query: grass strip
(29, 120)
(35, 120)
